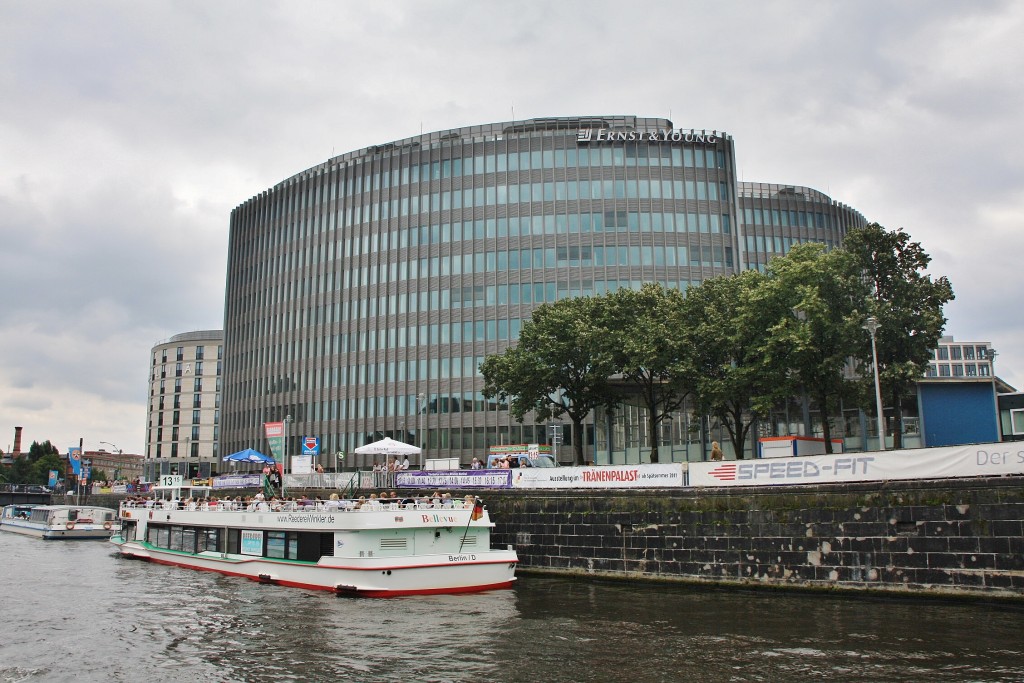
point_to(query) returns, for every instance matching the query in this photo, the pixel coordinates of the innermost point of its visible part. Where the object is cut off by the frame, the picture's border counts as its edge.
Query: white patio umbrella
(387, 446)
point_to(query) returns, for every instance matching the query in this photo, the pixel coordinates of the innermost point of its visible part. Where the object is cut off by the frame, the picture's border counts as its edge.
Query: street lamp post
(871, 325)
(419, 432)
(284, 451)
(995, 390)
(116, 450)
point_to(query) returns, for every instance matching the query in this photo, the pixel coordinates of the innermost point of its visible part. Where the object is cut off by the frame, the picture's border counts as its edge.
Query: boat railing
(347, 505)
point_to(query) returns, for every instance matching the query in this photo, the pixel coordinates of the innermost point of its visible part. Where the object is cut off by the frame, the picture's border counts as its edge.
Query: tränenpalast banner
(976, 460)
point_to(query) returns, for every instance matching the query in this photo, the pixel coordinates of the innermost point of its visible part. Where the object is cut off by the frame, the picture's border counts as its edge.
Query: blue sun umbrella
(249, 455)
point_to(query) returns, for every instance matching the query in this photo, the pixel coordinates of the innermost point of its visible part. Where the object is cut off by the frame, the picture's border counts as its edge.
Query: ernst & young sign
(591, 135)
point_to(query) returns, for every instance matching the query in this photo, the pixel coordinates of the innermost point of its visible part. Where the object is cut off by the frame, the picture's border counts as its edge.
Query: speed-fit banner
(977, 460)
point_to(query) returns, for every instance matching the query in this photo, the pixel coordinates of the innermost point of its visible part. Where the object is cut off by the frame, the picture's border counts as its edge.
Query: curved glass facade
(363, 293)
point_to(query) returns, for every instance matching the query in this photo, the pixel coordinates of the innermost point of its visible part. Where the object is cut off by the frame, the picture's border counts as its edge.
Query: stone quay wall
(943, 538)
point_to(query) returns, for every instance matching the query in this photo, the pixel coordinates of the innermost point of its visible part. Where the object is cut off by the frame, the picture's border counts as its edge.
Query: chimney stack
(17, 443)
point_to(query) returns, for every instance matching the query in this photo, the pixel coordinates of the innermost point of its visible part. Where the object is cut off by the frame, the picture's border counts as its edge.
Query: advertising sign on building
(275, 439)
(311, 445)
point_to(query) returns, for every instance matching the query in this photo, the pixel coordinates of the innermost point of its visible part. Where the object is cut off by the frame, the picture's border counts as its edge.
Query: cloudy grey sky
(129, 131)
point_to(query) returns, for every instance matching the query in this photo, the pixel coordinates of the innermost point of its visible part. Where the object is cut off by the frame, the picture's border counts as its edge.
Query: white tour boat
(351, 547)
(66, 522)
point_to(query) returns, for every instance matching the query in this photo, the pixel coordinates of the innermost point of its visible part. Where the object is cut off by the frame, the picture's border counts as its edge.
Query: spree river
(74, 611)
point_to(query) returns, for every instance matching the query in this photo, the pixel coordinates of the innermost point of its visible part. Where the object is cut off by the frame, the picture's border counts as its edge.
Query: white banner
(602, 477)
(977, 460)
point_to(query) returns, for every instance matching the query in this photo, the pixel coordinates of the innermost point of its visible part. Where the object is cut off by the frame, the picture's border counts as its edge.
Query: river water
(74, 611)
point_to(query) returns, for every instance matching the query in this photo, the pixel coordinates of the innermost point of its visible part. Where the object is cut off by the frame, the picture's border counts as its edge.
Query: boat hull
(373, 577)
(83, 532)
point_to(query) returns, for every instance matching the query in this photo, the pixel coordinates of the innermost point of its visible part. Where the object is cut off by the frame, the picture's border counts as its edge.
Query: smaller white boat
(62, 522)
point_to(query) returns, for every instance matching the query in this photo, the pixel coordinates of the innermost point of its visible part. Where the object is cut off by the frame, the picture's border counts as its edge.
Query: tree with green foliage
(20, 471)
(41, 468)
(724, 320)
(38, 450)
(907, 304)
(560, 366)
(647, 347)
(824, 295)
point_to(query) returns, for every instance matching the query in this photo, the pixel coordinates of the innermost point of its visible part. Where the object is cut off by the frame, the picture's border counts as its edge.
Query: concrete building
(183, 419)
(363, 293)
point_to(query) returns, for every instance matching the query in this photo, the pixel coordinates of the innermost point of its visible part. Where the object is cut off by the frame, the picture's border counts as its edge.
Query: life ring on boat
(106, 525)
(69, 526)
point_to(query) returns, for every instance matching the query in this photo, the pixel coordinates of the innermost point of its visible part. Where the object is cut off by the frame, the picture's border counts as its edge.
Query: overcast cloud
(129, 131)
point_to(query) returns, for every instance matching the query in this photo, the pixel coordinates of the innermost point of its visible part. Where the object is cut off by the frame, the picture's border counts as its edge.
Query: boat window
(188, 540)
(276, 544)
(207, 540)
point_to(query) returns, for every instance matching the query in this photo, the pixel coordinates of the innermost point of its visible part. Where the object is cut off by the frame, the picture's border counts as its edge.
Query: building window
(943, 353)
(930, 371)
(972, 369)
(180, 354)
(199, 353)
(195, 417)
(958, 370)
(968, 353)
(944, 370)
(983, 371)
(1017, 421)
(955, 351)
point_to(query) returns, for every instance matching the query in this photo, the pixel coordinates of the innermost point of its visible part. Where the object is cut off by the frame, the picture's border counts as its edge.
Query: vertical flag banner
(75, 458)
(275, 439)
(52, 481)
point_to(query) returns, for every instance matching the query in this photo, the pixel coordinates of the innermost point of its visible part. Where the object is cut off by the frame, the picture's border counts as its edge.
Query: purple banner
(454, 479)
(237, 481)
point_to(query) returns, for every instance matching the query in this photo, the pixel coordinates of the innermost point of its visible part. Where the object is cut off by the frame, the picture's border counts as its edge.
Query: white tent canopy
(387, 446)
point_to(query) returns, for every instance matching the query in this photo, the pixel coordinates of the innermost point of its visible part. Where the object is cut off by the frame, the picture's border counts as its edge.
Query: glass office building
(362, 294)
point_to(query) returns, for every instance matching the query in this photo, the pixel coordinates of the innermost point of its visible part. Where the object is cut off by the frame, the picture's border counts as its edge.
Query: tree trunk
(577, 442)
(826, 428)
(897, 421)
(652, 430)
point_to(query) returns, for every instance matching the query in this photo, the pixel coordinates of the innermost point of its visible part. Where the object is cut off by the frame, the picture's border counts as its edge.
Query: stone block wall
(943, 537)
